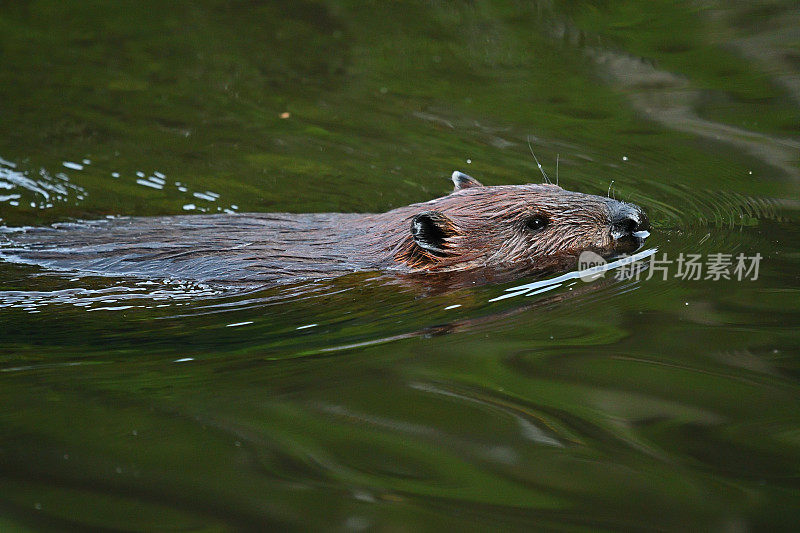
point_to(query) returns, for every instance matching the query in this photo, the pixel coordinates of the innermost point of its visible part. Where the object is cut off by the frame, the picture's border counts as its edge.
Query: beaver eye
(536, 222)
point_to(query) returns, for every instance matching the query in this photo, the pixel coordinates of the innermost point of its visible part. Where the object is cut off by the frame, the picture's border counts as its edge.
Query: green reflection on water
(620, 405)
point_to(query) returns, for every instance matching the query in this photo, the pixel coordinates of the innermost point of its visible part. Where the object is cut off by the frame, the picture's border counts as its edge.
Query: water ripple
(144, 295)
(43, 190)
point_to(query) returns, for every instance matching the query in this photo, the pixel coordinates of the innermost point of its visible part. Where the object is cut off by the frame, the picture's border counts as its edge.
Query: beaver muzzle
(629, 225)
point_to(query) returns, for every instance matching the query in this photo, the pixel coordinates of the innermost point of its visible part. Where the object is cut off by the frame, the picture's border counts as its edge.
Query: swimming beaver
(490, 228)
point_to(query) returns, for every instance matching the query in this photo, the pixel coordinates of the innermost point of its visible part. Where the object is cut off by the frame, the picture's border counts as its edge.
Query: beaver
(507, 228)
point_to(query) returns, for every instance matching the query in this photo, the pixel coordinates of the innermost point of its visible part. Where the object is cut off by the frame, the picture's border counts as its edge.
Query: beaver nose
(628, 220)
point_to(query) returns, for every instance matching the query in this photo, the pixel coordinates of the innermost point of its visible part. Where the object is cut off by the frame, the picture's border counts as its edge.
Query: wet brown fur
(488, 227)
(475, 227)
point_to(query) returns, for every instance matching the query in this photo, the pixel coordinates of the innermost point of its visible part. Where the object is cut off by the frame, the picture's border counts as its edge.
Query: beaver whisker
(541, 169)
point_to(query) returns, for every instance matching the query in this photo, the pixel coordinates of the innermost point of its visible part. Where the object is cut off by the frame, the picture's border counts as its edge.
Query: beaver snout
(629, 224)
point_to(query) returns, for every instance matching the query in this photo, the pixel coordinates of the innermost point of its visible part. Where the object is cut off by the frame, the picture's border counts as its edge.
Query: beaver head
(536, 226)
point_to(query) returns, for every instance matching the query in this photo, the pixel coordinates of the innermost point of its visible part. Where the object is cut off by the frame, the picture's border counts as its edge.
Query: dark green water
(364, 404)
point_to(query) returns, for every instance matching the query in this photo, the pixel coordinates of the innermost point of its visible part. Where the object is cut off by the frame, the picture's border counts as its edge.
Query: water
(365, 402)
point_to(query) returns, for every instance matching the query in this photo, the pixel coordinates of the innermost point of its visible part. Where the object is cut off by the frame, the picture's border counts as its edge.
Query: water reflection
(42, 191)
(369, 401)
(141, 295)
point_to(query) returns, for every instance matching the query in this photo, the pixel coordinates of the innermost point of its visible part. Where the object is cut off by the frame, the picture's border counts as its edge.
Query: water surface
(363, 402)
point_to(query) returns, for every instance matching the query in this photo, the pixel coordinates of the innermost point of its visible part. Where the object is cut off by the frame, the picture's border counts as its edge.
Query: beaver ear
(462, 181)
(430, 229)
